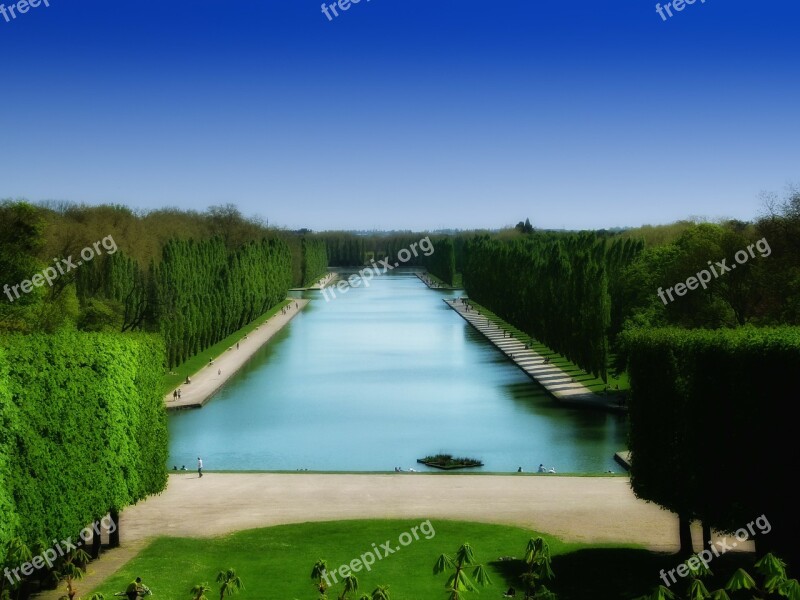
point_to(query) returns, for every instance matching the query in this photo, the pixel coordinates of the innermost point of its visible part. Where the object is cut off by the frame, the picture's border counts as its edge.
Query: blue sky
(417, 114)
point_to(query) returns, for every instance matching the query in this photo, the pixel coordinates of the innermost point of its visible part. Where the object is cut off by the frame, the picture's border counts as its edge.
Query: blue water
(379, 377)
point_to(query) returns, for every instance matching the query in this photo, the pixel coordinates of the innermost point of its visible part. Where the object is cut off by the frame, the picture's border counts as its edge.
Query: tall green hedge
(84, 429)
(442, 262)
(554, 287)
(713, 422)
(9, 518)
(201, 292)
(315, 260)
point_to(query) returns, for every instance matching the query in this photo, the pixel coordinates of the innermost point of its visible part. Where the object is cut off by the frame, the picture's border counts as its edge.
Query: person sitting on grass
(135, 589)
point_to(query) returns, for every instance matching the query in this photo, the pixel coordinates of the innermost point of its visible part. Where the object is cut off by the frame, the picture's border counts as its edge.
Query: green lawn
(587, 379)
(275, 563)
(178, 374)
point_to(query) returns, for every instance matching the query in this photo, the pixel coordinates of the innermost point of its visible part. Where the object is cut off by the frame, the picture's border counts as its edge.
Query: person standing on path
(200, 466)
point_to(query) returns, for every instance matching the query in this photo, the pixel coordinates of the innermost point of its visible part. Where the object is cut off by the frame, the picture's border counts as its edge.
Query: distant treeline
(437, 254)
(195, 278)
(577, 291)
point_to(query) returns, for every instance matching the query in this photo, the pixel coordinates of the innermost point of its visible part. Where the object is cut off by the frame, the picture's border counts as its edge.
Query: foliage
(84, 430)
(459, 582)
(539, 569)
(687, 385)
(193, 277)
(318, 575)
(198, 591)
(230, 583)
(315, 260)
(442, 262)
(772, 570)
(553, 287)
(446, 461)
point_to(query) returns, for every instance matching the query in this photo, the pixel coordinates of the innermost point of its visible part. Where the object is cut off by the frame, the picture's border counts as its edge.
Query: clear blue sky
(404, 113)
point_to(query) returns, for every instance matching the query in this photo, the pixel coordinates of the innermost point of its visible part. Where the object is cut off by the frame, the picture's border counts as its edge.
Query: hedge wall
(712, 425)
(84, 429)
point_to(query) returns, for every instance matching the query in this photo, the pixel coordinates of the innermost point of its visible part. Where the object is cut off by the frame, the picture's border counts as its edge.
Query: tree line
(193, 277)
(555, 287)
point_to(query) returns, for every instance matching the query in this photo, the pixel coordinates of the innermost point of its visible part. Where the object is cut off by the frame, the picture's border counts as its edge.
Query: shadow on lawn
(615, 573)
(599, 574)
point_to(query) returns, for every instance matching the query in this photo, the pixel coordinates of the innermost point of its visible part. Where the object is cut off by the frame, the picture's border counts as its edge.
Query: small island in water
(448, 461)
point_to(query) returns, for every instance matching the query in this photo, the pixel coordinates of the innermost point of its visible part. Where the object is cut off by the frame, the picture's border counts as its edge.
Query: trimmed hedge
(554, 287)
(84, 429)
(712, 425)
(315, 260)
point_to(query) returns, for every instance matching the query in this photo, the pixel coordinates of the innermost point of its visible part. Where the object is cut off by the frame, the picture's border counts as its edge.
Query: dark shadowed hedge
(713, 425)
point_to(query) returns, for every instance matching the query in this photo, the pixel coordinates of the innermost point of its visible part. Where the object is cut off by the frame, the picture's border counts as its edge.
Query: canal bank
(559, 384)
(205, 383)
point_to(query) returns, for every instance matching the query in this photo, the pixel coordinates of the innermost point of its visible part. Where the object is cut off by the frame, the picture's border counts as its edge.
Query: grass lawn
(595, 384)
(276, 562)
(177, 376)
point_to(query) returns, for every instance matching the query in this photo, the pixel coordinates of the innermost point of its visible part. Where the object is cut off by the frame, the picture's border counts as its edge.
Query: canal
(379, 377)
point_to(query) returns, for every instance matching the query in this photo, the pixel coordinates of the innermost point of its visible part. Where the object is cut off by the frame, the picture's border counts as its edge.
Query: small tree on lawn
(379, 593)
(231, 583)
(771, 568)
(350, 586)
(71, 570)
(459, 582)
(198, 592)
(318, 575)
(539, 568)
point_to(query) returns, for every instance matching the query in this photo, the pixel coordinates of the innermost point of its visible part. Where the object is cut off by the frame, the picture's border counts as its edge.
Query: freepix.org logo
(12, 11)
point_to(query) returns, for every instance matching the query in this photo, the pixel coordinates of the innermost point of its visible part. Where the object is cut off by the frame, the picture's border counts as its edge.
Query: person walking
(200, 466)
(179, 393)
(175, 395)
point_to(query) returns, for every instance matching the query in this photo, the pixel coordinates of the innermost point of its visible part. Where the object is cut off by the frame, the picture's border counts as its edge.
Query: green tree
(198, 591)
(230, 583)
(459, 582)
(318, 573)
(538, 566)
(72, 569)
(379, 593)
(350, 586)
